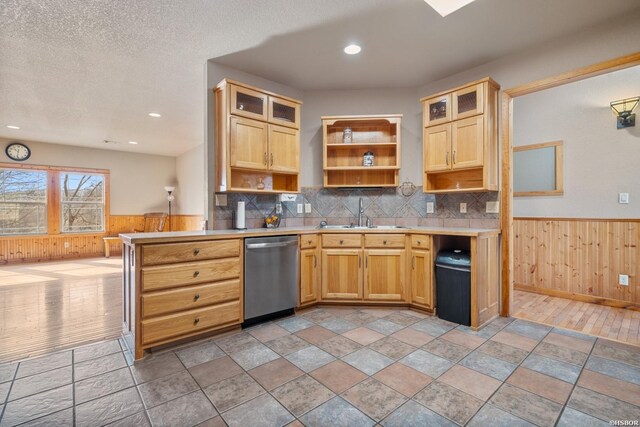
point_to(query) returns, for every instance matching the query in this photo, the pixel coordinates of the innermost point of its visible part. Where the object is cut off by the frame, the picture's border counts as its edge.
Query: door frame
(506, 124)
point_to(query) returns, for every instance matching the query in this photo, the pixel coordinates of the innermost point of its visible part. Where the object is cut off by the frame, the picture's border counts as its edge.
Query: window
(52, 200)
(82, 202)
(23, 201)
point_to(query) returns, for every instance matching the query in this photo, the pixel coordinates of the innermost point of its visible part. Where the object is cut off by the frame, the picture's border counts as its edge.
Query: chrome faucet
(360, 212)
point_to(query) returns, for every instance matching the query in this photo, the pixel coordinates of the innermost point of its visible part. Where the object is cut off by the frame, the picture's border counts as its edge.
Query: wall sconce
(623, 109)
(170, 198)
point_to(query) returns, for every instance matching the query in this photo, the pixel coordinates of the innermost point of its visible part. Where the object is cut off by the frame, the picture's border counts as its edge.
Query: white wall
(136, 180)
(599, 160)
(354, 102)
(190, 194)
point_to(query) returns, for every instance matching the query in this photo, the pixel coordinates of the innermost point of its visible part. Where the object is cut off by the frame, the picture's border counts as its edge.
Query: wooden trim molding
(579, 297)
(506, 114)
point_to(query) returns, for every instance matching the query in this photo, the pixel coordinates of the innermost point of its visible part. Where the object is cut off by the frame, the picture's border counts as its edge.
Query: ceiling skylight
(445, 7)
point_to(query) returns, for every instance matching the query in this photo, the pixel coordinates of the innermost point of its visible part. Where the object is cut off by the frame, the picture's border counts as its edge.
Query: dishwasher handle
(271, 245)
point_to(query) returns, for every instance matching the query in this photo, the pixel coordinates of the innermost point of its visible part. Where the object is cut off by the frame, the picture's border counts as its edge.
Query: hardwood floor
(594, 319)
(55, 305)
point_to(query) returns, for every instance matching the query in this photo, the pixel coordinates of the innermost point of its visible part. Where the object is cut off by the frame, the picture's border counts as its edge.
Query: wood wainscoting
(580, 259)
(68, 246)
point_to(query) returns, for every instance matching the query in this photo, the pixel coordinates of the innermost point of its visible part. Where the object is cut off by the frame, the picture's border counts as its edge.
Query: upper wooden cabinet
(346, 139)
(257, 140)
(460, 139)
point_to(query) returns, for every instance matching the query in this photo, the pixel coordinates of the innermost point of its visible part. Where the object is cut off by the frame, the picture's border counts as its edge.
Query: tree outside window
(82, 200)
(23, 202)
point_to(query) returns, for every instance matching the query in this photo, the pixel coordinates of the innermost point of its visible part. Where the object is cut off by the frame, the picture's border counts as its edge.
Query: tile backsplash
(384, 206)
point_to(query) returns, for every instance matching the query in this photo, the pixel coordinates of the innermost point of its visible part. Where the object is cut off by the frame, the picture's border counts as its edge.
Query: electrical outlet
(463, 208)
(430, 207)
(623, 280)
(307, 208)
(493, 207)
(299, 207)
(66, 245)
(278, 208)
(221, 200)
(288, 197)
(623, 198)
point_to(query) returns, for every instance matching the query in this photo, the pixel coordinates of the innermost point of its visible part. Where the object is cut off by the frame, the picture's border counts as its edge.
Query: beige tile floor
(338, 366)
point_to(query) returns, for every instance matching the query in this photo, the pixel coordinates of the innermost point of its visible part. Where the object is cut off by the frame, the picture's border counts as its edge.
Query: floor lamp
(170, 198)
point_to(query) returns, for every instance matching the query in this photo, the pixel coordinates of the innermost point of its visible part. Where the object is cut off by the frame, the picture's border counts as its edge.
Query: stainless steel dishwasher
(270, 277)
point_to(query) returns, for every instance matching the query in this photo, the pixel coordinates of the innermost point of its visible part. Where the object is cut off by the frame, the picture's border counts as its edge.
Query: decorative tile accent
(385, 206)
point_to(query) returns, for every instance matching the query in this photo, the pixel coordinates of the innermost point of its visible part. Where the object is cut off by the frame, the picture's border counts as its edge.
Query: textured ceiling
(79, 71)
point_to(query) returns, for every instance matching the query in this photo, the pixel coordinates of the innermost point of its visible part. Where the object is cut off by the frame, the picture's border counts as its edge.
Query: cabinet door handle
(271, 159)
(447, 158)
(196, 321)
(196, 273)
(454, 157)
(315, 261)
(196, 252)
(265, 158)
(413, 262)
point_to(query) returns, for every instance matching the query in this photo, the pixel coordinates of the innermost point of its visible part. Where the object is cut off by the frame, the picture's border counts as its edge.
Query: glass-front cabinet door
(283, 112)
(248, 103)
(437, 110)
(468, 102)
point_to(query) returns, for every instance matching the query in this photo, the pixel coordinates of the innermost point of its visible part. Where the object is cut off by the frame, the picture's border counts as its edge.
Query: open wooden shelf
(343, 162)
(246, 181)
(455, 181)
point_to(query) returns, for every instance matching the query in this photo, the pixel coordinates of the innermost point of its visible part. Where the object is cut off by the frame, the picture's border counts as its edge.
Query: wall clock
(18, 151)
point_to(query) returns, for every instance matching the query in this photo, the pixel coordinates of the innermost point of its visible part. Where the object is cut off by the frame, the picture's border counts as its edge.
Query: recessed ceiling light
(352, 49)
(154, 115)
(133, 142)
(445, 7)
(13, 127)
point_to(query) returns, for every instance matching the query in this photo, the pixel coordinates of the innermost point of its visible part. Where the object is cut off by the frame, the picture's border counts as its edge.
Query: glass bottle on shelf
(347, 136)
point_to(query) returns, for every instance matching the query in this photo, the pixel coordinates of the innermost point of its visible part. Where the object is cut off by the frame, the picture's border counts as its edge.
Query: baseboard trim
(579, 297)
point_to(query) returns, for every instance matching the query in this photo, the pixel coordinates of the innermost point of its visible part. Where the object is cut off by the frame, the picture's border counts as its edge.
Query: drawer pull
(196, 252)
(341, 242)
(309, 242)
(419, 242)
(196, 321)
(196, 273)
(384, 242)
(196, 297)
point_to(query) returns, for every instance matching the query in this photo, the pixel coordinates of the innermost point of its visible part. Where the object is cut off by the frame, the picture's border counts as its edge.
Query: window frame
(54, 198)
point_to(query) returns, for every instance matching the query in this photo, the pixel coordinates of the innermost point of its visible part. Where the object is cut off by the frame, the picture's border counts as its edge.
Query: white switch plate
(623, 198)
(66, 245)
(278, 208)
(624, 280)
(430, 207)
(463, 208)
(307, 208)
(299, 207)
(221, 200)
(493, 207)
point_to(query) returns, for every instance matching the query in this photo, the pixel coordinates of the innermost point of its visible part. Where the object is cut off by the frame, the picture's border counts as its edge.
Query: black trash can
(453, 286)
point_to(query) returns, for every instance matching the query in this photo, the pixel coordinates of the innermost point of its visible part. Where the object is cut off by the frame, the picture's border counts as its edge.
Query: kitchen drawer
(384, 240)
(174, 275)
(189, 251)
(308, 241)
(188, 298)
(187, 322)
(420, 241)
(341, 240)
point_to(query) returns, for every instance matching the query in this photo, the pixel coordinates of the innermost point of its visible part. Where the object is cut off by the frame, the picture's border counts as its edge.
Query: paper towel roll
(240, 216)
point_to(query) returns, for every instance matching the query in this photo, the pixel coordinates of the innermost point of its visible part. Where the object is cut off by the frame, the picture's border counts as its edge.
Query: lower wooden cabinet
(342, 274)
(421, 278)
(384, 274)
(309, 275)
